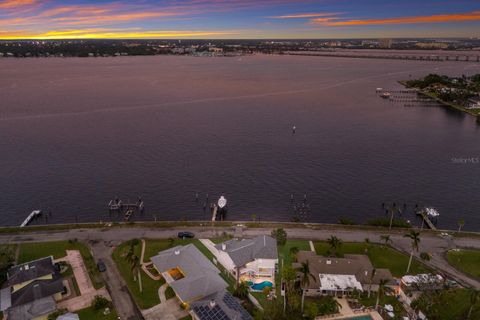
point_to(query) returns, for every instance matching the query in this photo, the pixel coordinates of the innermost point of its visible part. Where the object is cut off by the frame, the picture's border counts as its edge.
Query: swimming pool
(259, 286)
(365, 317)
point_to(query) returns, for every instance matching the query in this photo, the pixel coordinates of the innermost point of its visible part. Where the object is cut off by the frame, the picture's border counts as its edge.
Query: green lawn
(92, 314)
(169, 293)
(284, 251)
(57, 249)
(467, 261)
(450, 305)
(380, 256)
(149, 296)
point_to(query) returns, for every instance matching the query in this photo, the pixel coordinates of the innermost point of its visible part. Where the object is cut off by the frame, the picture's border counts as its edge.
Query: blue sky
(210, 19)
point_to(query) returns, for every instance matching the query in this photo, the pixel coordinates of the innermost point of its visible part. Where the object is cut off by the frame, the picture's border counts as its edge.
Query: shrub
(100, 302)
(280, 235)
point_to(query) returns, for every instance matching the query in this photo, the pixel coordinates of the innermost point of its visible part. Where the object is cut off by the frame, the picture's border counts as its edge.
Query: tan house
(341, 276)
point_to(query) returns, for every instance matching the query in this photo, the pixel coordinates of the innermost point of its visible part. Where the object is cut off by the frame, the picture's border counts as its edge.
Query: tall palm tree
(335, 243)
(461, 223)
(305, 276)
(135, 268)
(393, 210)
(386, 238)
(372, 275)
(415, 237)
(381, 291)
(474, 296)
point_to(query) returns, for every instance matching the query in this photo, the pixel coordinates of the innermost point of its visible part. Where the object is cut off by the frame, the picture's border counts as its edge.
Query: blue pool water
(260, 286)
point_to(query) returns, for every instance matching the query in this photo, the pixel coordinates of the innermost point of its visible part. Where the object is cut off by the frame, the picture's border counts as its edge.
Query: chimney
(329, 261)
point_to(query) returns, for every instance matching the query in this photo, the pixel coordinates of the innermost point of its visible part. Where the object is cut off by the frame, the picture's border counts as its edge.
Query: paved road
(102, 240)
(121, 298)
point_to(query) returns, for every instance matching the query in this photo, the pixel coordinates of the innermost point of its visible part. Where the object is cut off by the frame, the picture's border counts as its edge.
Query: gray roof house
(31, 270)
(190, 274)
(244, 251)
(33, 288)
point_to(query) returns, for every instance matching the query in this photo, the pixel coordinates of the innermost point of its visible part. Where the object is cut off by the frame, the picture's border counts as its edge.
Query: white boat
(222, 202)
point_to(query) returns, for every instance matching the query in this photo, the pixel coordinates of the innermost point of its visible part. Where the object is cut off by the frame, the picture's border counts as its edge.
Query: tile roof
(352, 264)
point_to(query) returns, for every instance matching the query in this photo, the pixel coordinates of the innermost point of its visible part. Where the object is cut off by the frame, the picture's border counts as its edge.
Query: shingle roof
(220, 306)
(243, 251)
(30, 270)
(37, 290)
(201, 276)
(33, 309)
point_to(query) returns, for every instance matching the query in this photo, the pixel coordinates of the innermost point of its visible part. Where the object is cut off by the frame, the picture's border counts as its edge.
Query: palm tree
(367, 245)
(393, 210)
(474, 295)
(386, 238)
(305, 276)
(461, 223)
(135, 268)
(415, 237)
(242, 290)
(335, 243)
(381, 291)
(293, 253)
(372, 275)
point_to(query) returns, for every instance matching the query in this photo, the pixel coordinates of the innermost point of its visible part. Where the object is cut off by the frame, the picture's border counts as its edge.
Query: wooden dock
(119, 205)
(426, 219)
(30, 217)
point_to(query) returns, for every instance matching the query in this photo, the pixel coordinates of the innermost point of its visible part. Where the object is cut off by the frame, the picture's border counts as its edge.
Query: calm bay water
(75, 133)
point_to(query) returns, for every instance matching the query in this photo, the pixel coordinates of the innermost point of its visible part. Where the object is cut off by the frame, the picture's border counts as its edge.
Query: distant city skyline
(236, 19)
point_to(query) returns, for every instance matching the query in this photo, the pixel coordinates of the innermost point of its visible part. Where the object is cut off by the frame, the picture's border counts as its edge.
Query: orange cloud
(11, 4)
(109, 34)
(306, 15)
(470, 16)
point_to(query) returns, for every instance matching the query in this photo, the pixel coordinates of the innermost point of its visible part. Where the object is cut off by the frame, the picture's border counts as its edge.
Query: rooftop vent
(224, 246)
(212, 304)
(177, 252)
(329, 261)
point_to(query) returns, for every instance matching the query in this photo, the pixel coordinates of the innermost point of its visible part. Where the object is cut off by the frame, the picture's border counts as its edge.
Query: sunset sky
(210, 19)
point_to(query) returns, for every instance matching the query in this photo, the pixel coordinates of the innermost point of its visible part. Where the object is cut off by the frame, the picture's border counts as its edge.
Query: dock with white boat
(425, 214)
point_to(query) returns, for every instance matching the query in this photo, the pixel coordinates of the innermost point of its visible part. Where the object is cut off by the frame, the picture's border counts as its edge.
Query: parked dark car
(101, 266)
(185, 234)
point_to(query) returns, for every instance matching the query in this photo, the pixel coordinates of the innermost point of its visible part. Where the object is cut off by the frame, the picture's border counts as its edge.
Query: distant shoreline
(442, 102)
